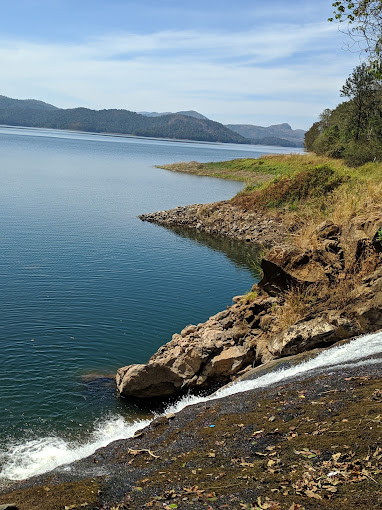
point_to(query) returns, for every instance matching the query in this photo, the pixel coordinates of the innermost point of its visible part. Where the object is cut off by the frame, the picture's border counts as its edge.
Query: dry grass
(298, 302)
(303, 190)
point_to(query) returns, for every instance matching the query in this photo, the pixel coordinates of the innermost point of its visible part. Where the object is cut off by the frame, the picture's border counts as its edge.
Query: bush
(357, 154)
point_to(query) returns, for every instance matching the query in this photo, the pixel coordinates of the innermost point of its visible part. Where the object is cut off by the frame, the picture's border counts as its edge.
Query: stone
(148, 381)
(275, 280)
(307, 335)
(328, 230)
(265, 322)
(9, 506)
(188, 330)
(227, 362)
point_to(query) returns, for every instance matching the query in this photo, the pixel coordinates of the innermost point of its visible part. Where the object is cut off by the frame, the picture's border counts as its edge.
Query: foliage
(291, 190)
(353, 130)
(117, 121)
(364, 18)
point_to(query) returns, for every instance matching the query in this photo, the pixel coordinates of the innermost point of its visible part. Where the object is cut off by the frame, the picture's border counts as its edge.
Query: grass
(302, 190)
(311, 186)
(298, 302)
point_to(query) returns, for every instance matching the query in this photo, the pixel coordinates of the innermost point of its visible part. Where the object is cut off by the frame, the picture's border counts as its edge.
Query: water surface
(86, 286)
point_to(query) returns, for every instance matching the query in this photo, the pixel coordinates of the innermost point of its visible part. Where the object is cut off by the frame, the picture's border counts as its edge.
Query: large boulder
(148, 381)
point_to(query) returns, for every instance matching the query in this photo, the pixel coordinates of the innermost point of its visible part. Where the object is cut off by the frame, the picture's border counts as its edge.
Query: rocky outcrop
(198, 357)
(224, 219)
(308, 298)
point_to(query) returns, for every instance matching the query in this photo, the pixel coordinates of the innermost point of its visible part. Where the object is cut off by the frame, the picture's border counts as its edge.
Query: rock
(9, 506)
(328, 300)
(275, 280)
(265, 322)
(148, 381)
(328, 230)
(366, 302)
(310, 334)
(188, 330)
(228, 362)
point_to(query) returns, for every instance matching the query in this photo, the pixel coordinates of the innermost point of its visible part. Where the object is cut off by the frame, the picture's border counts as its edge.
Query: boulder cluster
(309, 297)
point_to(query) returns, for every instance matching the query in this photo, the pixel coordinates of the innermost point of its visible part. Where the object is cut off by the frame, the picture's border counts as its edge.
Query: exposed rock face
(307, 298)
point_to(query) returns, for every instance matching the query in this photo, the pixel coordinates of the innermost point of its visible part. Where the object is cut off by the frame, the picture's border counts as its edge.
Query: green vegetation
(37, 114)
(313, 186)
(364, 20)
(353, 130)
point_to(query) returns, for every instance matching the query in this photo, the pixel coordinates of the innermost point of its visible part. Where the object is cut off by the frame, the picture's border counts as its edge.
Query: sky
(256, 62)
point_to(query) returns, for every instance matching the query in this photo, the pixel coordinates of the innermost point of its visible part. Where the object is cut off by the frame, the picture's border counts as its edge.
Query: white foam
(356, 350)
(38, 456)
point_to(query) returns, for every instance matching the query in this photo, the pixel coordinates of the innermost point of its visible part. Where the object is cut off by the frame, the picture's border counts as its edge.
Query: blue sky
(259, 62)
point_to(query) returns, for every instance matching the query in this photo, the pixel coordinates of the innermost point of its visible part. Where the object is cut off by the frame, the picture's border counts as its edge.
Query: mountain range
(185, 125)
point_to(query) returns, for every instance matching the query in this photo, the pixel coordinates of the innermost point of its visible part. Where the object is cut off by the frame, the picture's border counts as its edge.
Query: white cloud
(224, 74)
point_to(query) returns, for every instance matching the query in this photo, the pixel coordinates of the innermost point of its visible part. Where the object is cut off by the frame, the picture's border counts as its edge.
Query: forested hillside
(353, 130)
(38, 114)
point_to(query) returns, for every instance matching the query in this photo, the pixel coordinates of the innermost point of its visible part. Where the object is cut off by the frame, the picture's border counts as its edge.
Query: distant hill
(32, 113)
(187, 113)
(33, 104)
(278, 134)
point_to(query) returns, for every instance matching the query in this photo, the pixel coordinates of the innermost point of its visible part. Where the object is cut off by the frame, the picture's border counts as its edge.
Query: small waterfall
(23, 460)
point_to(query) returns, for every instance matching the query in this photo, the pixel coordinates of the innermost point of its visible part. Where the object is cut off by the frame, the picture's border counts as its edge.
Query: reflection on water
(242, 254)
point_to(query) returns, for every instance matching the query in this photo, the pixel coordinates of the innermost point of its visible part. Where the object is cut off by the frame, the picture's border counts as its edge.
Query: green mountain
(32, 113)
(33, 104)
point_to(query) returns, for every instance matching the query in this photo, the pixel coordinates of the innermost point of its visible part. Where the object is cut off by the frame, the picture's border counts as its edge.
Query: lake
(87, 287)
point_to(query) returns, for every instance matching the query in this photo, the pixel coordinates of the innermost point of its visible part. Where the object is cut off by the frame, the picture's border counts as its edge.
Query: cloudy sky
(249, 61)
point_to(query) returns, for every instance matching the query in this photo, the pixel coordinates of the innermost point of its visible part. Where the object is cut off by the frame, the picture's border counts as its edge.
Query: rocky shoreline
(225, 219)
(307, 443)
(308, 298)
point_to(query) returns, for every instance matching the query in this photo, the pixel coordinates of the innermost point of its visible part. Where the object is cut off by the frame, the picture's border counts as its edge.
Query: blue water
(86, 286)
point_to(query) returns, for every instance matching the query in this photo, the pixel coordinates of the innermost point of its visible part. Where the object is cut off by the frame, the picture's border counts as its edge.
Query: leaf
(312, 494)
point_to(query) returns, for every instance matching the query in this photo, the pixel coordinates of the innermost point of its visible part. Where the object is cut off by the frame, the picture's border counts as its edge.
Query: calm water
(86, 286)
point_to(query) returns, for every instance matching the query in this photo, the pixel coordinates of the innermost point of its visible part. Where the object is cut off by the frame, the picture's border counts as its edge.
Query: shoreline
(319, 286)
(308, 443)
(164, 139)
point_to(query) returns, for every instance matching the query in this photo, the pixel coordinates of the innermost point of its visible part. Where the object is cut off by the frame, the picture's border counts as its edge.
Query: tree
(364, 89)
(364, 18)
